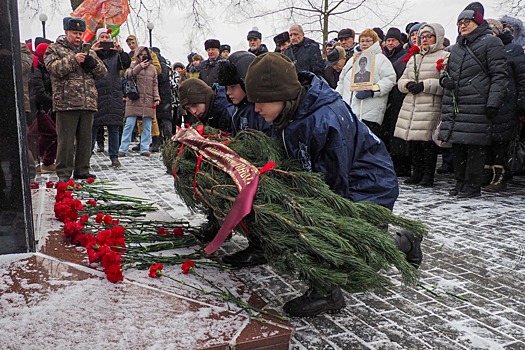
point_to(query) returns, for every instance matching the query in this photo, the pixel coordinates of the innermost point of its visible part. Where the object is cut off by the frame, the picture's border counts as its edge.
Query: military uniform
(74, 101)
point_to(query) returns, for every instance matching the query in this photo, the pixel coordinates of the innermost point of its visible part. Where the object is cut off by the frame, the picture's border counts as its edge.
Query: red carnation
(114, 273)
(91, 202)
(440, 64)
(90, 180)
(187, 266)
(177, 232)
(414, 49)
(83, 219)
(50, 184)
(108, 219)
(99, 218)
(162, 231)
(155, 270)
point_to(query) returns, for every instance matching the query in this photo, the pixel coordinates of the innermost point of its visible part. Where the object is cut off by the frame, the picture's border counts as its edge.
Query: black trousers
(469, 161)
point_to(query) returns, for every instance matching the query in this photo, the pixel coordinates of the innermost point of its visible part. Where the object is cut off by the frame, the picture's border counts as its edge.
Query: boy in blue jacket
(319, 130)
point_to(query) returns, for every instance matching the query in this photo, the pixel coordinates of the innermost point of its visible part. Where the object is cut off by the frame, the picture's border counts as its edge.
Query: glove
(415, 88)
(492, 112)
(89, 64)
(447, 83)
(364, 94)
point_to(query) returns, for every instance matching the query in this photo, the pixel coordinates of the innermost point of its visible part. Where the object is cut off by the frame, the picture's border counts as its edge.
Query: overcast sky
(171, 32)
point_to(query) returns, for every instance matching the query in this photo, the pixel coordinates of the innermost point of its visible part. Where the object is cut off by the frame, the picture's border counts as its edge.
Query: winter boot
(411, 246)
(499, 182)
(155, 144)
(251, 256)
(487, 175)
(313, 303)
(456, 189)
(429, 164)
(469, 191)
(416, 154)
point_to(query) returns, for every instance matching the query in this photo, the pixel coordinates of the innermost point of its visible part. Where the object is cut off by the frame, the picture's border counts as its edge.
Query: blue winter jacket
(325, 136)
(220, 115)
(245, 117)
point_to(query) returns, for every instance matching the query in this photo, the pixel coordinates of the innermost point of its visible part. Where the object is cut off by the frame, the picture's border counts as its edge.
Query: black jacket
(41, 93)
(110, 98)
(164, 110)
(306, 56)
(475, 90)
(397, 53)
(262, 49)
(209, 71)
(506, 121)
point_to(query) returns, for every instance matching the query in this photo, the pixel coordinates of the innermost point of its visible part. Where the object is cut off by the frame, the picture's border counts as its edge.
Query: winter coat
(331, 76)
(398, 52)
(41, 93)
(306, 56)
(164, 110)
(147, 86)
(475, 90)
(27, 67)
(73, 86)
(220, 115)
(209, 71)
(110, 96)
(505, 123)
(517, 29)
(262, 49)
(370, 109)
(245, 117)
(420, 113)
(325, 136)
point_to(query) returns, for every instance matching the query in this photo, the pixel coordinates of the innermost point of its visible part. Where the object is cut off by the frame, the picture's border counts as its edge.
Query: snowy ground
(471, 293)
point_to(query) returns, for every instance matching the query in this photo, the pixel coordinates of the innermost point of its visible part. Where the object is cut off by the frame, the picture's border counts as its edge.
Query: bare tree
(512, 7)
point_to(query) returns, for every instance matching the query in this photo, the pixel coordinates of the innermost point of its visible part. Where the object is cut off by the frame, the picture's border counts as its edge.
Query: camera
(107, 45)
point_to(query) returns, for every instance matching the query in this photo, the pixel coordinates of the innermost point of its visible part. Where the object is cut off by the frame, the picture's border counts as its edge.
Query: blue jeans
(113, 139)
(145, 137)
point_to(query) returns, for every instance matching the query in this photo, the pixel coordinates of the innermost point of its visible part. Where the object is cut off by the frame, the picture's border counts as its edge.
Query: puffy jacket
(110, 96)
(245, 117)
(147, 86)
(306, 56)
(73, 87)
(325, 136)
(475, 90)
(505, 123)
(220, 115)
(370, 109)
(164, 109)
(420, 113)
(41, 92)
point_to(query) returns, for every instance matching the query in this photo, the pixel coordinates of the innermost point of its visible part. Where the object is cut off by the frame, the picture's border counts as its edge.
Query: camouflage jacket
(73, 88)
(27, 65)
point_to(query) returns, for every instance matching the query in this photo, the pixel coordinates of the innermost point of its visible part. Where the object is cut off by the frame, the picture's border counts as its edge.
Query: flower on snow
(187, 266)
(177, 232)
(155, 270)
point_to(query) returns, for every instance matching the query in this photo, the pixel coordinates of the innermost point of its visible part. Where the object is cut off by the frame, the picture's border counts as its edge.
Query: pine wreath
(303, 226)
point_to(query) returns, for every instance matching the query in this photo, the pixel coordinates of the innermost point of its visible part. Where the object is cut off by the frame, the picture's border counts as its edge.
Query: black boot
(251, 256)
(469, 191)
(456, 189)
(313, 303)
(486, 175)
(429, 164)
(411, 246)
(499, 182)
(416, 154)
(155, 144)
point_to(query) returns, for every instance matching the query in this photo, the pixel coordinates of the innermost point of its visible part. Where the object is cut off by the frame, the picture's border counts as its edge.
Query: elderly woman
(369, 105)
(145, 75)
(421, 107)
(475, 86)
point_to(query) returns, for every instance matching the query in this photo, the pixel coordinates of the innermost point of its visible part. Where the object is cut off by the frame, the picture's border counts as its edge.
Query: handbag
(516, 154)
(435, 137)
(131, 90)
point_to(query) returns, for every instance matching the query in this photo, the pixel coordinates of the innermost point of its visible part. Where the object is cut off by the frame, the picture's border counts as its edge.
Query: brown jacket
(73, 88)
(147, 85)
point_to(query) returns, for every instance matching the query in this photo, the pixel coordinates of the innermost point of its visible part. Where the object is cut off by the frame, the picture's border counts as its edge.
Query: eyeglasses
(464, 22)
(366, 41)
(428, 36)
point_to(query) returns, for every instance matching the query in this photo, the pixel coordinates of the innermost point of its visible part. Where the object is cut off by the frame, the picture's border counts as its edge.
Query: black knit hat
(281, 38)
(410, 25)
(346, 33)
(233, 70)
(474, 11)
(254, 34)
(212, 44)
(225, 47)
(380, 33)
(272, 77)
(39, 40)
(335, 54)
(394, 33)
(72, 23)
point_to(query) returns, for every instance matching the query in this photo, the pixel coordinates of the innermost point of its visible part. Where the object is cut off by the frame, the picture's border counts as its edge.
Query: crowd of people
(369, 112)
